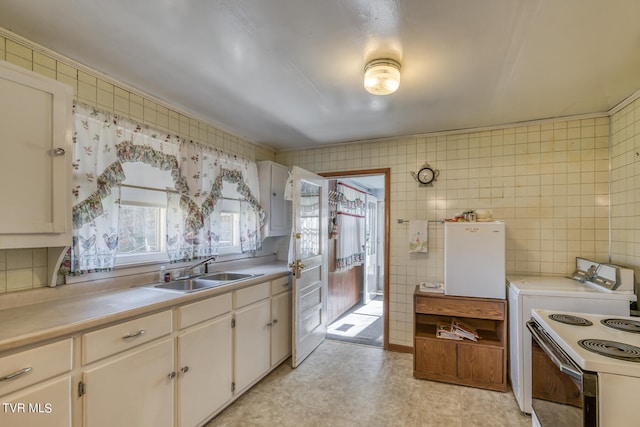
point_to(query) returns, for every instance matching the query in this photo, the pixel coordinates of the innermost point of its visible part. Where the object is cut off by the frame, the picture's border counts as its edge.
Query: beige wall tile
(19, 279)
(19, 50)
(19, 258)
(541, 179)
(40, 278)
(19, 61)
(40, 257)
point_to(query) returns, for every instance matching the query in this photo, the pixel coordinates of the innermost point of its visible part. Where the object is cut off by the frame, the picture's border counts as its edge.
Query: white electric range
(586, 369)
(573, 293)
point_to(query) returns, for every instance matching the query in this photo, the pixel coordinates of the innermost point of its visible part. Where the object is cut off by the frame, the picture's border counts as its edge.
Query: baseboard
(400, 348)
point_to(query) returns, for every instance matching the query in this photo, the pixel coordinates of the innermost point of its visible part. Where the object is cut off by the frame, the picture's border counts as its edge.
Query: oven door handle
(555, 354)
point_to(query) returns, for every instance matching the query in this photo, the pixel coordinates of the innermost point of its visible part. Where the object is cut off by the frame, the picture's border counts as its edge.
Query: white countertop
(28, 324)
(562, 287)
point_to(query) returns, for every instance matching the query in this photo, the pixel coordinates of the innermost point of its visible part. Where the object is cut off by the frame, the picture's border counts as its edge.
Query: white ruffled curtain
(350, 223)
(102, 142)
(193, 218)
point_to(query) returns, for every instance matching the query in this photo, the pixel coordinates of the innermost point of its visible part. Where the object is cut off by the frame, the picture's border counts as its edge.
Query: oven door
(562, 394)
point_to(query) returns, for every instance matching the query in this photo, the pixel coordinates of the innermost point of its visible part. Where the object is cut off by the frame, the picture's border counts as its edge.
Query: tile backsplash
(22, 269)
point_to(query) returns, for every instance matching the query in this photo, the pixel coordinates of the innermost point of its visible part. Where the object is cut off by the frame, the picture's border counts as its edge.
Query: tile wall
(625, 187)
(548, 181)
(26, 268)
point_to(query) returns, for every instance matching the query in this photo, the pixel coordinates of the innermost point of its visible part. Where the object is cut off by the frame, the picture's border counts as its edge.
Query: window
(142, 222)
(230, 226)
(141, 234)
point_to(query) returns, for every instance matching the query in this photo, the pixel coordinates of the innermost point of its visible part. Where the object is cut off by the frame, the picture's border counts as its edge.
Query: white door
(370, 249)
(308, 259)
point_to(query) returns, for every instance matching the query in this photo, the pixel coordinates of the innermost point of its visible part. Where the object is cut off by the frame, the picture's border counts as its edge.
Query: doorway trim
(387, 215)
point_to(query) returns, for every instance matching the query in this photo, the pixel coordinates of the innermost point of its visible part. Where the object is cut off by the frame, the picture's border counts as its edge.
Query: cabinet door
(480, 364)
(252, 342)
(278, 217)
(280, 327)
(35, 127)
(204, 370)
(436, 356)
(43, 405)
(132, 390)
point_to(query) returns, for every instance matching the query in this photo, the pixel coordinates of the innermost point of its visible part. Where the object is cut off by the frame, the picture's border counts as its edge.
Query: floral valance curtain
(103, 142)
(350, 218)
(193, 217)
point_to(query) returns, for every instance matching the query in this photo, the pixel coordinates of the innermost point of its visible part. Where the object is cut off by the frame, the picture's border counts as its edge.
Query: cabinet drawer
(279, 285)
(251, 294)
(202, 310)
(463, 307)
(44, 362)
(123, 336)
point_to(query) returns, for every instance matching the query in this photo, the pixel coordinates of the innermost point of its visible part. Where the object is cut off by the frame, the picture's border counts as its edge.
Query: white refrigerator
(474, 259)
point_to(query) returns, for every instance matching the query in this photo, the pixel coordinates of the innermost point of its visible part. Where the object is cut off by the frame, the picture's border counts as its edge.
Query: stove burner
(614, 349)
(625, 325)
(570, 320)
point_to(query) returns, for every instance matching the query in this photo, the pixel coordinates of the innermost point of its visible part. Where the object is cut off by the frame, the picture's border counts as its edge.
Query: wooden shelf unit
(481, 363)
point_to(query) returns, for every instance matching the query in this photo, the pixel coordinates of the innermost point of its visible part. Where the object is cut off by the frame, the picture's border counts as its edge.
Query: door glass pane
(309, 217)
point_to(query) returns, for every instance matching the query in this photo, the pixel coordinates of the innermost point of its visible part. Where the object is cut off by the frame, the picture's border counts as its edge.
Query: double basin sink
(199, 283)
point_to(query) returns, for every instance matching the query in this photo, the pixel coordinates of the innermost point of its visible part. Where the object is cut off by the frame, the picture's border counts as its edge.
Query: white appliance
(558, 293)
(594, 360)
(474, 259)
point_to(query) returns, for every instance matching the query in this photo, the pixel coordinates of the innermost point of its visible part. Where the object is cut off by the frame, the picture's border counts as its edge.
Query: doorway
(359, 256)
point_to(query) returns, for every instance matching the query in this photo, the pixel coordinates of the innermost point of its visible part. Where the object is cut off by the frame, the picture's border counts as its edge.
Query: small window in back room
(143, 207)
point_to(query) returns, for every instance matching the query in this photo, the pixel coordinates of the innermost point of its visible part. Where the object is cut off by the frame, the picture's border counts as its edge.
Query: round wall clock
(426, 175)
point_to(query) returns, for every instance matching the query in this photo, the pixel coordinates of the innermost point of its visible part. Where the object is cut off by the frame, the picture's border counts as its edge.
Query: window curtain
(350, 223)
(101, 143)
(193, 216)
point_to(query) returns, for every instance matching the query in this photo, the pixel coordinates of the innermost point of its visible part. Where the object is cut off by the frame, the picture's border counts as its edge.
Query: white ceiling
(288, 73)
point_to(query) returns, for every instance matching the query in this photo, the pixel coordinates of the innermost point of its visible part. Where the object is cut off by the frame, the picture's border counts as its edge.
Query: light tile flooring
(343, 384)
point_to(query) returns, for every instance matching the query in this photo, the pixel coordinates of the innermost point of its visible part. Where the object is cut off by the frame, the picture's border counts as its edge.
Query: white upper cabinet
(35, 165)
(273, 179)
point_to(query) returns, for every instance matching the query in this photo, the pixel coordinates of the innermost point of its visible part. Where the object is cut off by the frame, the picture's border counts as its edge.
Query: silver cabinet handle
(16, 374)
(59, 151)
(136, 335)
(269, 325)
(172, 375)
(275, 321)
(184, 369)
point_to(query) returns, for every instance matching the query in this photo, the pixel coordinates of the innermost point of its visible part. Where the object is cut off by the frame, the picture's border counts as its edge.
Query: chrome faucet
(590, 274)
(188, 271)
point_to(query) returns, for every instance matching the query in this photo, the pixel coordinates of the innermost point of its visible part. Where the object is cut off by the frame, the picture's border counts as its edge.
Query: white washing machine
(553, 293)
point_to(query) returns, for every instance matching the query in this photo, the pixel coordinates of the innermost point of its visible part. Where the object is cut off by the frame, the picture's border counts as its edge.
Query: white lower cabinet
(44, 405)
(177, 367)
(252, 343)
(280, 328)
(135, 389)
(35, 386)
(204, 370)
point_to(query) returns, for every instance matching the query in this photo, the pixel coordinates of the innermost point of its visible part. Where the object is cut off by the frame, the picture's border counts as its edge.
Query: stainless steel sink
(200, 283)
(188, 285)
(227, 276)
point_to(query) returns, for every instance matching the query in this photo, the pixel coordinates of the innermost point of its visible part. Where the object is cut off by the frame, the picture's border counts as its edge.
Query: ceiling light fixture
(382, 76)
